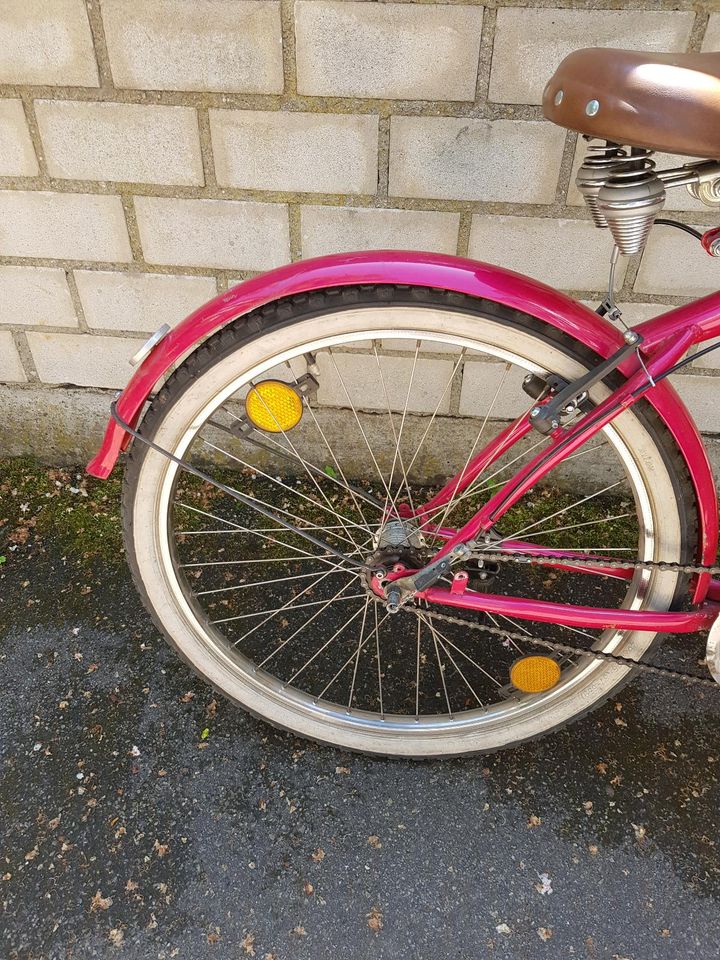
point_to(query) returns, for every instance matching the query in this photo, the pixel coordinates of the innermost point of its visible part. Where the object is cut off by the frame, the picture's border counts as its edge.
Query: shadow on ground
(143, 817)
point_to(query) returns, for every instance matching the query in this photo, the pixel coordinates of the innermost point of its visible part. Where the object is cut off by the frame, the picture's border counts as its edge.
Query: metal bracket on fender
(548, 416)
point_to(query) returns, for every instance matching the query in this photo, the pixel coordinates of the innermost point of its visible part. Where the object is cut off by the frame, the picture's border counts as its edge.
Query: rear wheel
(336, 410)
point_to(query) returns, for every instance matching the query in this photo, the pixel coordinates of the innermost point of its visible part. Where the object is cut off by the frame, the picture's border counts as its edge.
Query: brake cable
(667, 222)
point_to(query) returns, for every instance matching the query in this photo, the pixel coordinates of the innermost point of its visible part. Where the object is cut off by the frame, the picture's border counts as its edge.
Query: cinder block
(44, 42)
(530, 43)
(677, 198)
(453, 158)
(35, 295)
(225, 45)
(492, 389)
(17, 154)
(120, 141)
(342, 229)
(702, 396)
(569, 254)
(305, 152)
(68, 432)
(82, 359)
(362, 379)
(11, 368)
(711, 41)
(214, 233)
(67, 226)
(671, 265)
(139, 301)
(389, 50)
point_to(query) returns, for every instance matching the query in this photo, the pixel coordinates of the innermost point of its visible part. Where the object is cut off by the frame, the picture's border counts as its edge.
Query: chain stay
(569, 649)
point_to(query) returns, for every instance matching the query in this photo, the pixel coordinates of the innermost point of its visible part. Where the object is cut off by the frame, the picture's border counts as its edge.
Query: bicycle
(365, 504)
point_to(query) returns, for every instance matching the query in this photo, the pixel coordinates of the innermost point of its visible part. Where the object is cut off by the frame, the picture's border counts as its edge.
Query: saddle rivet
(592, 107)
(558, 98)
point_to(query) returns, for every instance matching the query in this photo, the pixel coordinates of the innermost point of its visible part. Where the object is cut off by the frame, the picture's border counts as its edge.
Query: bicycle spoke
(585, 450)
(231, 563)
(379, 665)
(458, 670)
(576, 526)
(303, 626)
(441, 668)
(417, 672)
(352, 490)
(361, 644)
(465, 655)
(360, 426)
(238, 528)
(302, 525)
(274, 613)
(284, 486)
(327, 643)
(343, 484)
(557, 513)
(397, 437)
(449, 505)
(434, 415)
(509, 640)
(350, 658)
(286, 606)
(305, 465)
(260, 583)
(475, 487)
(305, 554)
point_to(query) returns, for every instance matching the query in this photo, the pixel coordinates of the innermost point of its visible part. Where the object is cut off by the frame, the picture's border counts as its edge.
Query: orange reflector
(535, 674)
(273, 406)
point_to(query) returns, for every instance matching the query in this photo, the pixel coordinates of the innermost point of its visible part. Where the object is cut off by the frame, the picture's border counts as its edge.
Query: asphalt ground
(142, 816)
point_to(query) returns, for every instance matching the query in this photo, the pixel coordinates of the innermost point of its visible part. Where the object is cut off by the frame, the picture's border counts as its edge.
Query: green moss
(66, 511)
(59, 508)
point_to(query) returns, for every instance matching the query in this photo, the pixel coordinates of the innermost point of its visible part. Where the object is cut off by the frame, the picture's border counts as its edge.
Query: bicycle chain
(570, 649)
(549, 560)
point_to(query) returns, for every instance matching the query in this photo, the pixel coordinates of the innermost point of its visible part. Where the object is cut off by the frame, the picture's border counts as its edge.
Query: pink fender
(471, 277)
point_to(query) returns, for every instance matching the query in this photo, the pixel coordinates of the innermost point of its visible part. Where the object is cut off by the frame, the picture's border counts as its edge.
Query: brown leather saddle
(664, 101)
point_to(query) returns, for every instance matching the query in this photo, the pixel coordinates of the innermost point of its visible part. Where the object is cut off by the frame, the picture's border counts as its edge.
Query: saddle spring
(625, 192)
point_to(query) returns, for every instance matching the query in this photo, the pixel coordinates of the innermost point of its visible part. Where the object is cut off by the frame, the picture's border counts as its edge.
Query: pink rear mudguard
(471, 277)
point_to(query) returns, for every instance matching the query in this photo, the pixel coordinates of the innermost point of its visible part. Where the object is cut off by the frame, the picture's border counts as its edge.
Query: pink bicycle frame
(665, 339)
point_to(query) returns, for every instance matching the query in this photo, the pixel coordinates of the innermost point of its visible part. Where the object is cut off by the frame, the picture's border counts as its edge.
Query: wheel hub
(399, 545)
(398, 541)
(398, 534)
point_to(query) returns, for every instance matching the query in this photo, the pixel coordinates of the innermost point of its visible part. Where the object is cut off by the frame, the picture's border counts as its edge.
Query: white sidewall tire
(147, 499)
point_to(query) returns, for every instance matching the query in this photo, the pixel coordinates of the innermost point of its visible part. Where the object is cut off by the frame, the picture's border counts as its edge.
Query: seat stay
(702, 317)
(566, 441)
(490, 454)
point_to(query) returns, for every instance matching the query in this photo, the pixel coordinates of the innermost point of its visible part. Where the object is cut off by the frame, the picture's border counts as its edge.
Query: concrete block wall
(155, 152)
